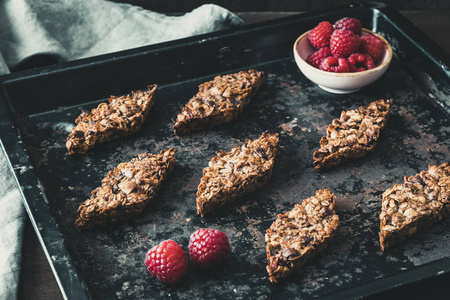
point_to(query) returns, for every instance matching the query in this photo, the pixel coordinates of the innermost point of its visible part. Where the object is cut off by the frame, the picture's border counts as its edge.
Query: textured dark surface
(110, 260)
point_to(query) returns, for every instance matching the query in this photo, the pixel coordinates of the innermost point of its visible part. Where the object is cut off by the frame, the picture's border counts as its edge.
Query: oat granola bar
(299, 235)
(126, 190)
(230, 175)
(416, 204)
(218, 101)
(353, 135)
(122, 116)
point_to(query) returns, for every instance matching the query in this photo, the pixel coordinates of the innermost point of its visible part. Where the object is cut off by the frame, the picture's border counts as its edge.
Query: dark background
(37, 281)
(178, 6)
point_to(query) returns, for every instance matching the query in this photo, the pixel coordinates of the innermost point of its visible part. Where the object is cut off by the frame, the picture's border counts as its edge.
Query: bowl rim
(385, 63)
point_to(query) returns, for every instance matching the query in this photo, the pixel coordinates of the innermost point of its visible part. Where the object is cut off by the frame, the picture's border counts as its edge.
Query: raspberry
(334, 64)
(208, 247)
(343, 43)
(167, 262)
(316, 58)
(372, 45)
(349, 24)
(320, 35)
(360, 62)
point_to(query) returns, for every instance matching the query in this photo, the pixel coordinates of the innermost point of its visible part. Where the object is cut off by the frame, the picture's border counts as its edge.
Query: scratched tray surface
(111, 259)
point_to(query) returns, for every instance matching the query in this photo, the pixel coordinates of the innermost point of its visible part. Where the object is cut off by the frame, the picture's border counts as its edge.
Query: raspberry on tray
(208, 247)
(167, 261)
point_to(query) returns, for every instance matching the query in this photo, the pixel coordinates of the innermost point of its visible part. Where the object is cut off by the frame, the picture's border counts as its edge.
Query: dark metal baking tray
(39, 106)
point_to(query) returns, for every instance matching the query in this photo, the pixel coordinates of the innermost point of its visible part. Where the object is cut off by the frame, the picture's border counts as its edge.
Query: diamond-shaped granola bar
(299, 235)
(353, 135)
(420, 201)
(230, 175)
(218, 101)
(122, 116)
(126, 190)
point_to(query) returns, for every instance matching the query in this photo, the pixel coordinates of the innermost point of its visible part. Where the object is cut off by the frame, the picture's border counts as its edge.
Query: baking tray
(38, 107)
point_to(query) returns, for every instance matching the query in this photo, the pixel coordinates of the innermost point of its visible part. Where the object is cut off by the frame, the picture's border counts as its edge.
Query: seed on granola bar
(126, 190)
(231, 175)
(416, 204)
(122, 116)
(299, 235)
(218, 101)
(353, 135)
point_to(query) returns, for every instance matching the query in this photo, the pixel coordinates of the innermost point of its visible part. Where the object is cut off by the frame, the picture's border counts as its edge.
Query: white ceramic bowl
(339, 83)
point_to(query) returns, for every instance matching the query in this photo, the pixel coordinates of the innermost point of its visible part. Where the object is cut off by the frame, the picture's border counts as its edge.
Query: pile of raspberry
(168, 262)
(342, 48)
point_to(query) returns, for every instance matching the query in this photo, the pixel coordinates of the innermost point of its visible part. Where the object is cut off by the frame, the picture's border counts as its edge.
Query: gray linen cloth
(67, 30)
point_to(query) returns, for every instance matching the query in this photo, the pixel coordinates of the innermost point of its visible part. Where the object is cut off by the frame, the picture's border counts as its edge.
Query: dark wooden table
(37, 280)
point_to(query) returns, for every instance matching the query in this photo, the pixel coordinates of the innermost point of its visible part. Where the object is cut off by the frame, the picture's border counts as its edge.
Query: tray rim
(79, 289)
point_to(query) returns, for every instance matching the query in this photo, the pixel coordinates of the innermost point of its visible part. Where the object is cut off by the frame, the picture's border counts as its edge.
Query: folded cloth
(67, 30)
(12, 217)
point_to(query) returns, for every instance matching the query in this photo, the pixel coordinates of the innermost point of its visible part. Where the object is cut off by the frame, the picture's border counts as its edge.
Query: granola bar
(230, 175)
(353, 135)
(218, 101)
(126, 190)
(122, 116)
(299, 235)
(416, 204)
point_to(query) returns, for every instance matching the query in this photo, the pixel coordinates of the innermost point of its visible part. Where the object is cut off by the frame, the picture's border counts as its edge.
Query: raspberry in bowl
(342, 60)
